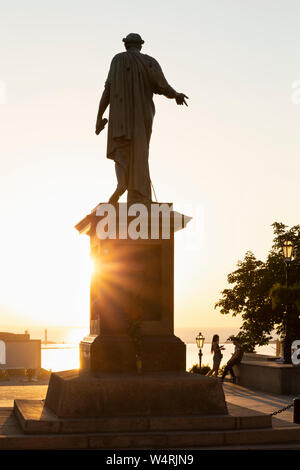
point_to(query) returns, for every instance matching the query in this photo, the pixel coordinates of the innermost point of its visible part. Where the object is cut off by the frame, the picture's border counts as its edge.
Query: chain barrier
(282, 409)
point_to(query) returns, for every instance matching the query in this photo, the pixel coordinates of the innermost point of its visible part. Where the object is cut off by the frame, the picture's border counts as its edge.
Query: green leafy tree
(283, 295)
(254, 287)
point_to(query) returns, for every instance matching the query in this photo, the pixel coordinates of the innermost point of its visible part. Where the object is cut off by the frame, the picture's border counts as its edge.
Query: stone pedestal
(132, 283)
(91, 395)
(117, 353)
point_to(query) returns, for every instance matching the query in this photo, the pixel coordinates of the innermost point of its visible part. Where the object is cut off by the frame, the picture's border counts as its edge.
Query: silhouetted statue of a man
(132, 79)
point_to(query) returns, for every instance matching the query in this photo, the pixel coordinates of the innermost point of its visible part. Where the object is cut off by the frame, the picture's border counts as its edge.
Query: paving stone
(196, 439)
(260, 436)
(53, 442)
(129, 441)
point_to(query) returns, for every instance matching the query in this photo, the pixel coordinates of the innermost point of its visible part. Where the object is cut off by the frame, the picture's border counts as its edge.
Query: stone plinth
(72, 394)
(133, 277)
(116, 353)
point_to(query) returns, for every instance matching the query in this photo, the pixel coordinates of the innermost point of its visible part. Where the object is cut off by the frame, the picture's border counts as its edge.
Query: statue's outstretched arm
(162, 87)
(169, 92)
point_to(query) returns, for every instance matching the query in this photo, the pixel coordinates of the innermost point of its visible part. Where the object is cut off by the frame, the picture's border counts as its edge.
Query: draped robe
(132, 79)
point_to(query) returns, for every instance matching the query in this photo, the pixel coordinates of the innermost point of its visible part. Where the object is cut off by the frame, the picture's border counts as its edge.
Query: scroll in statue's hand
(180, 99)
(100, 125)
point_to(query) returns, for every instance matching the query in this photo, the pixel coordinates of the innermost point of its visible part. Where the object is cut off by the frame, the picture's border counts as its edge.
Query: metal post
(296, 402)
(200, 358)
(287, 339)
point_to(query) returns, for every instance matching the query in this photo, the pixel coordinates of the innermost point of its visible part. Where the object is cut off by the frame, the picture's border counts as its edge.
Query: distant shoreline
(60, 335)
(188, 335)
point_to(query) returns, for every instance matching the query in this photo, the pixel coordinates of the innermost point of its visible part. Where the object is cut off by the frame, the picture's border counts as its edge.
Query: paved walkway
(262, 402)
(19, 388)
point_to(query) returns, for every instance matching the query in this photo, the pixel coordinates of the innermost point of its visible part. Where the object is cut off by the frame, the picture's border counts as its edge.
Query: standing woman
(216, 350)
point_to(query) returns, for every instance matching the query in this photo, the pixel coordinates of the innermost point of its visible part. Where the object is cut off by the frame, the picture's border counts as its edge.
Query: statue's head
(133, 40)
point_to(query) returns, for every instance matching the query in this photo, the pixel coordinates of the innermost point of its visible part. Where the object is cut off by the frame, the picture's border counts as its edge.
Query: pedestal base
(73, 394)
(116, 353)
(158, 431)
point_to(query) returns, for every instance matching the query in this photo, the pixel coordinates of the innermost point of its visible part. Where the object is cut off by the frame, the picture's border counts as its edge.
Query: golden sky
(230, 159)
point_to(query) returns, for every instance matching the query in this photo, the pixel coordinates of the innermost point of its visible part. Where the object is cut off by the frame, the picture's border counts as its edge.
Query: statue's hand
(180, 99)
(100, 125)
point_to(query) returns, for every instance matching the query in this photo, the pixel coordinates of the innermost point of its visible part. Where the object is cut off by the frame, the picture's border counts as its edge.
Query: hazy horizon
(75, 334)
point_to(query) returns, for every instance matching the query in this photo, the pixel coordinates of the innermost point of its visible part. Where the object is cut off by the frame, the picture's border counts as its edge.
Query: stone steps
(35, 418)
(240, 429)
(279, 438)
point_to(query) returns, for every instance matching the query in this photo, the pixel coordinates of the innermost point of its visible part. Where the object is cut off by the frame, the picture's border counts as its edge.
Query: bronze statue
(132, 79)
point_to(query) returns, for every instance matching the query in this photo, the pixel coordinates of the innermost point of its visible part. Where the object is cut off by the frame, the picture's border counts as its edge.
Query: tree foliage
(195, 369)
(254, 284)
(283, 295)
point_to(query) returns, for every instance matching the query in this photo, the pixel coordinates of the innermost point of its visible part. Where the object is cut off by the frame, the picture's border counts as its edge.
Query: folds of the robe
(133, 78)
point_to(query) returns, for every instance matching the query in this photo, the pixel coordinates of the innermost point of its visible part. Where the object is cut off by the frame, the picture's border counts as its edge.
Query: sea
(60, 356)
(64, 356)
